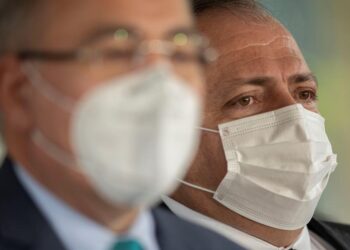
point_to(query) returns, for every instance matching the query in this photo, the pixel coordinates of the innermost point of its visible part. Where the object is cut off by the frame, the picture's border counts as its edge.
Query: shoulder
(22, 225)
(16, 211)
(13, 212)
(177, 233)
(11, 197)
(342, 230)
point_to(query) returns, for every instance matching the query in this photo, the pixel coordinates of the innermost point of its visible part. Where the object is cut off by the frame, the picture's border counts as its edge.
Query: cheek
(52, 121)
(73, 80)
(210, 165)
(218, 163)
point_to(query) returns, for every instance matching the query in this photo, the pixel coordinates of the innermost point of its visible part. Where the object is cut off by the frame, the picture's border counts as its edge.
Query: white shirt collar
(78, 232)
(241, 238)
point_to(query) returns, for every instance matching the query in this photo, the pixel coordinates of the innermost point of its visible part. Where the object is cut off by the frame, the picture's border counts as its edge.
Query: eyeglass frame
(206, 54)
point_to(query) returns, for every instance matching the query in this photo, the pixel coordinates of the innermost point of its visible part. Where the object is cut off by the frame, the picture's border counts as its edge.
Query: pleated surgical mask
(278, 164)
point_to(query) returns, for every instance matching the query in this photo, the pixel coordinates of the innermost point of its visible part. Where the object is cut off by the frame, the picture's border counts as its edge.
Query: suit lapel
(22, 225)
(167, 234)
(327, 233)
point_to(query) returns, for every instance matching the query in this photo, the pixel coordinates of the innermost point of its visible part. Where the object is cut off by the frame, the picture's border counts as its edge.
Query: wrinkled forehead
(66, 20)
(260, 51)
(247, 47)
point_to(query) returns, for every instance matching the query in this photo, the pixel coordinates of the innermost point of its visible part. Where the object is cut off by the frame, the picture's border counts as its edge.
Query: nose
(153, 58)
(154, 51)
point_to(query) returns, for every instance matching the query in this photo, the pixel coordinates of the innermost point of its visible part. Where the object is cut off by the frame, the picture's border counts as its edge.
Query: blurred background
(321, 28)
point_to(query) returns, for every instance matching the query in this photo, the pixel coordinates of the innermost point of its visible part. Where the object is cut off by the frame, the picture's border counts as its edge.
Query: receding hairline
(249, 10)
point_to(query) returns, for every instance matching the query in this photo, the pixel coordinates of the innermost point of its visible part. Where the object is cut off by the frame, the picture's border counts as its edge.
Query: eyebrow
(105, 31)
(264, 80)
(186, 30)
(303, 77)
(256, 81)
(228, 86)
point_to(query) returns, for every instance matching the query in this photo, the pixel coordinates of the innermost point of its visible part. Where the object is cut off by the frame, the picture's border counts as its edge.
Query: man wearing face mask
(264, 158)
(100, 101)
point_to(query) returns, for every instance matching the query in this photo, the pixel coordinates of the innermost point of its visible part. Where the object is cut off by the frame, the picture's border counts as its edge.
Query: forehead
(247, 48)
(63, 21)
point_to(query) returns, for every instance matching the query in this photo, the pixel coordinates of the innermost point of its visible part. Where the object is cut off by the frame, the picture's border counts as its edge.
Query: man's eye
(245, 101)
(307, 96)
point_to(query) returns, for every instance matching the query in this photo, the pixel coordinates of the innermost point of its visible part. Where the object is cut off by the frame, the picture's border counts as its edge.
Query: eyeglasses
(129, 50)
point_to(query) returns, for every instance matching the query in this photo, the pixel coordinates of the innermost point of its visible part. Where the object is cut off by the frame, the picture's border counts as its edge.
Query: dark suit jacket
(23, 227)
(336, 235)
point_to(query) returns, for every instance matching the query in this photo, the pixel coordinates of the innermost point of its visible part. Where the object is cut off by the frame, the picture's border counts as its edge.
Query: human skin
(259, 69)
(64, 25)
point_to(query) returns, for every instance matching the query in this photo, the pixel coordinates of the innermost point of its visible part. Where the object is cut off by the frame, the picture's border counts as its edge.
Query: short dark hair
(250, 8)
(15, 16)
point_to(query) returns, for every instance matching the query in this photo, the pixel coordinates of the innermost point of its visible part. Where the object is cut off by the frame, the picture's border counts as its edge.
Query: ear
(15, 95)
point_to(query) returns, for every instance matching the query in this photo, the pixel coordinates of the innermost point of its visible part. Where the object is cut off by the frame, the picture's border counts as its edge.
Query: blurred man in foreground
(100, 102)
(264, 158)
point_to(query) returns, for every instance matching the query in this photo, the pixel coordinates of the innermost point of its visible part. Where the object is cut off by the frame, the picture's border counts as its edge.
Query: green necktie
(127, 245)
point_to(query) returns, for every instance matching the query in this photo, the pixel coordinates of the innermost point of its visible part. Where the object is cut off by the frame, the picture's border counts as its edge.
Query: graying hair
(242, 8)
(15, 16)
(15, 19)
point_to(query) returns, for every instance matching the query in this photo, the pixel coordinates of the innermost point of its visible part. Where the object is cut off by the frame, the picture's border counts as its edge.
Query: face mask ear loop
(196, 187)
(208, 130)
(52, 150)
(46, 89)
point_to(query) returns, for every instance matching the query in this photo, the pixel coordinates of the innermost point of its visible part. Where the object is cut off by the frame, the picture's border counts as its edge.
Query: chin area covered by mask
(278, 164)
(132, 136)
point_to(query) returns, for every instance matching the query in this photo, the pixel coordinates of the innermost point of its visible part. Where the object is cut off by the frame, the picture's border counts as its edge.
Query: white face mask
(132, 136)
(278, 166)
